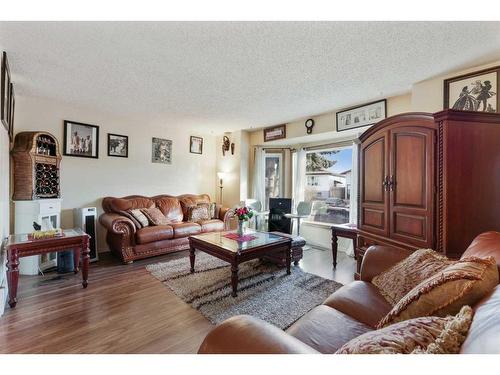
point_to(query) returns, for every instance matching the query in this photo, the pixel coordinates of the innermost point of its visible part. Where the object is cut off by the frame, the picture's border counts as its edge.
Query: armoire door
(374, 167)
(411, 185)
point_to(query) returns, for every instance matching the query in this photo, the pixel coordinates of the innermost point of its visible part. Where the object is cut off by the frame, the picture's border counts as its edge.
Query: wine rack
(36, 166)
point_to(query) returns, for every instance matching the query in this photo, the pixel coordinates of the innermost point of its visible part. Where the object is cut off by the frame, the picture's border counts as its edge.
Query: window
(273, 176)
(328, 184)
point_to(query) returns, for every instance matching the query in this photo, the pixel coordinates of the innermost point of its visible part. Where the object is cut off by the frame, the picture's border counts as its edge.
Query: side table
(343, 230)
(23, 245)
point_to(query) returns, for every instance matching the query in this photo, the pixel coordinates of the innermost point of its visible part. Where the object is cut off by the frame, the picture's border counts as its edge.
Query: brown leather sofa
(351, 311)
(127, 239)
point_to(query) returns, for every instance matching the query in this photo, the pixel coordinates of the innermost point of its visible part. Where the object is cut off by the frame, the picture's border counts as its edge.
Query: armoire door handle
(385, 183)
(392, 183)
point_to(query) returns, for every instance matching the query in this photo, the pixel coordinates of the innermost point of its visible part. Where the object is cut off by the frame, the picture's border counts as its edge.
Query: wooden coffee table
(235, 252)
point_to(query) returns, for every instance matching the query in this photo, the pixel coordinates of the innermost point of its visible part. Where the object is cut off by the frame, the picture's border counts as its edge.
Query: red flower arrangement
(243, 213)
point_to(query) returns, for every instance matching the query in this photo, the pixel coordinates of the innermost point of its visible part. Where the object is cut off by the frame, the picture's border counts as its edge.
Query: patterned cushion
(398, 280)
(155, 217)
(211, 210)
(429, 334)
(463, 283)
(198, 213)
(139, 217)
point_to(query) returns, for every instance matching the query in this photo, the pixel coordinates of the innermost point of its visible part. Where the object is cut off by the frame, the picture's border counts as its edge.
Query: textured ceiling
(221, 76)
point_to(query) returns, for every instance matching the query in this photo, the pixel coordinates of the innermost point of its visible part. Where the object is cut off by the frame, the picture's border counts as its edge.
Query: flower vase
(240, 227)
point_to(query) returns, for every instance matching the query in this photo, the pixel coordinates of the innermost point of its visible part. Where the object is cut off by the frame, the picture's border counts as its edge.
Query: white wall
(84, 182)
(4, 208)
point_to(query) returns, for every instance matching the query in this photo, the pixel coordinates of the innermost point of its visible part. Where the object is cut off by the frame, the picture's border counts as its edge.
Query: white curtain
(299, 177)
(258, 183)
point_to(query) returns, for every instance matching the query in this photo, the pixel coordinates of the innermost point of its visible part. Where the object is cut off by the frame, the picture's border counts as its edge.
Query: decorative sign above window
(364, 115)
(275, 132)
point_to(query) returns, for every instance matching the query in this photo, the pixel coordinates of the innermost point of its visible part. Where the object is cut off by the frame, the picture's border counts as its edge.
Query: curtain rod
(330, 145)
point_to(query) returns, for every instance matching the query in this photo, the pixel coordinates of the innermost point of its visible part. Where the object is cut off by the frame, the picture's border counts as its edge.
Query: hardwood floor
(124, 310)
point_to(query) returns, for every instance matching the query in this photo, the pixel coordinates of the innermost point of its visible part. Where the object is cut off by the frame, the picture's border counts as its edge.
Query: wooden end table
(343, 230)
(234, 252)
(22, 245)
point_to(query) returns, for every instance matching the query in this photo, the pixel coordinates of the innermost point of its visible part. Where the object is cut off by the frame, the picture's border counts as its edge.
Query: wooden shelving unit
(37, 162)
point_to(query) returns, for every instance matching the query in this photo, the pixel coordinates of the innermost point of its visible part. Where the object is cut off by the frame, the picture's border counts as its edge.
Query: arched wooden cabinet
(429, 181)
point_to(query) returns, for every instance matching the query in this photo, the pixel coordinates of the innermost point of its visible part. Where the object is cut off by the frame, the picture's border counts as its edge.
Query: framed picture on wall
(12, 111)
(4, 90)
(275, 132)
(161, 151)
(363, 115)
(118, 145)
(81, 140)
(477, 91)
(196, 145)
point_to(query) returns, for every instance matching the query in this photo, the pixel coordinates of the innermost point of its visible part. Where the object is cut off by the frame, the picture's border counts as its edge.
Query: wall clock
(309, 125)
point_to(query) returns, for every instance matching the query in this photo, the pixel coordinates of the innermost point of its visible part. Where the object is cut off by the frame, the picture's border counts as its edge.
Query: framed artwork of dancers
(477, 91)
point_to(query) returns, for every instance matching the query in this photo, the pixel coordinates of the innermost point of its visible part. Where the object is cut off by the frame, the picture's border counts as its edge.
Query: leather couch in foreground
(128, 240)
(352, 310)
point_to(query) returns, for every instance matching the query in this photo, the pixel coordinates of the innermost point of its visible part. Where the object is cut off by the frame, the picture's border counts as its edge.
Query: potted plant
(243, 214)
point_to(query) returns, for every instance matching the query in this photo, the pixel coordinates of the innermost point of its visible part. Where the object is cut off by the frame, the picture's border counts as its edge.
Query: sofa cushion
(462, 283)
(185, 229)
(398, 280)
(199, 213)
(484, 332)
(429, 334)
(326, 329)
(155, 217)
(171, 208)
(213, 225)
(188, 200)
(139, 217)
(154, 233)
(361, 301)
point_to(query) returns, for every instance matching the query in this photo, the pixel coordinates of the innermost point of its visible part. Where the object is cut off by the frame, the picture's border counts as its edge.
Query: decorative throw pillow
(211, 210)
(428, 334)
(198, 213)
(398, 280)
(462, 283)
(155, 217)
(139, 217)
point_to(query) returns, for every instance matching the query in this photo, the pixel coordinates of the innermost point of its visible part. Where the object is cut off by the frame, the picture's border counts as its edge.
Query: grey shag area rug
(264, 290)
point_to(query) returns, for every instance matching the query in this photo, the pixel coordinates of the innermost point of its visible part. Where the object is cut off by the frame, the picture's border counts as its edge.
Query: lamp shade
(221, 175)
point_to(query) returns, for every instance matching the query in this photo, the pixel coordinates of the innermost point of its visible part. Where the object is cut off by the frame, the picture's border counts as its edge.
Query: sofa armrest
(117, 224)
(244, 334)
(225, 214)
(378, 258)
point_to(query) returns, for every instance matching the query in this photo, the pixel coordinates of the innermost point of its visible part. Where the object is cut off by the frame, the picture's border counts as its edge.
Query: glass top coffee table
(252, 245)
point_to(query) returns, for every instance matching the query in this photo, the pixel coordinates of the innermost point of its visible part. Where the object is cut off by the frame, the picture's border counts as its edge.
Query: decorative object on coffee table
(23, 245)
(118, 145)
(243, 214)
(196, 145)
(81, 140)
(161, 151)
(36, 166)
(235, 252)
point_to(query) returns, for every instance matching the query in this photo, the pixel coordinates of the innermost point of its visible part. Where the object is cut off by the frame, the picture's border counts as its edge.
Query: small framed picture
(118, 145)
(161, 151)
(275, 132)
(12, 111)
(363, 115)
(81, 140)
(196, 145)
(477, 91)
(5, 92)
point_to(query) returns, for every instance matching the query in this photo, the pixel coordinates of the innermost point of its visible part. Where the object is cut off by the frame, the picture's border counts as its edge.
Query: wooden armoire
(429, 181)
